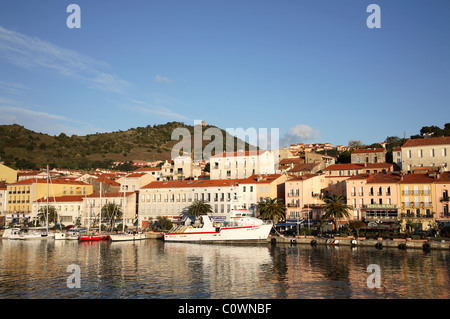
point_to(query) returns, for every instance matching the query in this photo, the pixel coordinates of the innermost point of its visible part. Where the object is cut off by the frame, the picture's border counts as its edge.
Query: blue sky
(313, 69)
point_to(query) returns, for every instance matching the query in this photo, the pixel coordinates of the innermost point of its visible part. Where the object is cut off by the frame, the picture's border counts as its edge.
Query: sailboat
(129, 235)
(38, 232)
(95, 236)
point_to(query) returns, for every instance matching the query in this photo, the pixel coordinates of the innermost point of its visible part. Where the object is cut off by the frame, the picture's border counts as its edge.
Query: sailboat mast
(100, 215)
(123, 209)
(48, 176)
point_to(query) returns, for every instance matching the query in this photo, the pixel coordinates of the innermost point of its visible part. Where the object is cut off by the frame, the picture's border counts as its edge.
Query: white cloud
(15, 112)
(161, 79)
(31, 52)
(148, 108)
(299, 134)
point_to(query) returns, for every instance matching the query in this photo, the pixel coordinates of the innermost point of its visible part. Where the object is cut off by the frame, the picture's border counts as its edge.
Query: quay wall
(362, 242)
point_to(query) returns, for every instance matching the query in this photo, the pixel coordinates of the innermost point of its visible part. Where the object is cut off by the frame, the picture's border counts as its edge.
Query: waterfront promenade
(380, 243)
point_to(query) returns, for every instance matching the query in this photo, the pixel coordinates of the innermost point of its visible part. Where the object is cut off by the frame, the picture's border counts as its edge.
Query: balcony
(444, 199)
(414, 215)
(445, 215)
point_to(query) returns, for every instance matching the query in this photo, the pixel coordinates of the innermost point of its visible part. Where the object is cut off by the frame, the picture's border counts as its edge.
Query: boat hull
(127, 237)
(245, 234)
(94, 237)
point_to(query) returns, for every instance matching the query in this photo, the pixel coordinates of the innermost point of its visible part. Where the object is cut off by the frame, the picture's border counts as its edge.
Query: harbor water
(44, 269)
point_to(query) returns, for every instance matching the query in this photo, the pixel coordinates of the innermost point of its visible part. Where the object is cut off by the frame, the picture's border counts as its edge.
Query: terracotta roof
(58, 199)
(369, 150)
(443, 178)
(263, 179)
(427, 141)
(110, 194)
(236, 154)
(359, 177)
(344, 166)
(381, 178)
(416, 179)
(52, 181)
(295, 160)
(148, 169)
(378, 165)
(193, 184)
(303, 167)
(137, 175)
(302, 178)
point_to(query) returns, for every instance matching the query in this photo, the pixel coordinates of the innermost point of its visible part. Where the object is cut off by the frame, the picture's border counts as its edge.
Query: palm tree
(272, 208)
(42, 214)
(111, 211)
(198, 208)
(335, 209)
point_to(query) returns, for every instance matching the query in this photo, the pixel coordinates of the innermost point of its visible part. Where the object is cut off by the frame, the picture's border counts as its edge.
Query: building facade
(302, 197)
(241, 165)
(374, 196)
(376, 155)
(23, 193)
(172, 198)
(442, 191)
(433, 152)
(417, 204)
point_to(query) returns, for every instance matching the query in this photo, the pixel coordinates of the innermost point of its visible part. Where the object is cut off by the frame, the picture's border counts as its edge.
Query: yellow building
(417, 201)
(23, 193)
(7, 174)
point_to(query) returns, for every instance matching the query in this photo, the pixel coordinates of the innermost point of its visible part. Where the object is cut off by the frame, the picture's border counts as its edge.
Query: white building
(93, 203)
(68, 208)
(135, 181)
(240, 165)
(171, 198)
(426, 152)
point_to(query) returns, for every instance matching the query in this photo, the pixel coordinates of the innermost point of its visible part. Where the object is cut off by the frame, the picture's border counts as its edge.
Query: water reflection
(154, 269)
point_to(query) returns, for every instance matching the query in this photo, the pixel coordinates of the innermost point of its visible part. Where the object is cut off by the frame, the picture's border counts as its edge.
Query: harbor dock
(380, 243)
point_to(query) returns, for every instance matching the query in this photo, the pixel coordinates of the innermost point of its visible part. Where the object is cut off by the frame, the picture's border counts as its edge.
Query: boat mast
(123, 206)
(100, 215)
(48, 176)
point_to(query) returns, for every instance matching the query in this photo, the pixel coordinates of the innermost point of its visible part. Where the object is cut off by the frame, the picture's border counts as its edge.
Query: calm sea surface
(157, 269)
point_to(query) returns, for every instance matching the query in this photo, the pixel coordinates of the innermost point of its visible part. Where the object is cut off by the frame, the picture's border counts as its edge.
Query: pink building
(302, 196)
(442, 187)
(374, 197)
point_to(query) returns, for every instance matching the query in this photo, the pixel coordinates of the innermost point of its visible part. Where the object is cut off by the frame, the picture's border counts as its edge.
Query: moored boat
(242, 227)
(128, 236)
(11, 233)
(35, 233)
(93, 237)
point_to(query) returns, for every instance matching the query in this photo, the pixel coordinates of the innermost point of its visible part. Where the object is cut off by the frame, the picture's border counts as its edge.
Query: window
(432, 152)
(408, 154)
(420, 153)
(444, 152)
(267, 189)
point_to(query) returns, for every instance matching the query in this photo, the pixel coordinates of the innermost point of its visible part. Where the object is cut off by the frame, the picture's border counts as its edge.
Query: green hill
(25, 149)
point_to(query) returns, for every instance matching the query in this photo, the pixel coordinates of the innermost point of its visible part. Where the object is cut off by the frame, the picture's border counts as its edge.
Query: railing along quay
(363, 242)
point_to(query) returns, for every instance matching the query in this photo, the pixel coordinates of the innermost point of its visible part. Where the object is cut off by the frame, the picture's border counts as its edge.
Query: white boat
(242, 227)
(60, 235)
(11, 233)
(128, 236)
(72, 234)
(35, 233)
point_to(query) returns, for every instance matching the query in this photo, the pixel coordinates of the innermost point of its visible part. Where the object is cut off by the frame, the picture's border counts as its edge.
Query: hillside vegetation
(25, 149)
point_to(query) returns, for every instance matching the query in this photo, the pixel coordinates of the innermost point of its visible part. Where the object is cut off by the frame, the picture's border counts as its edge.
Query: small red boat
(94, 237)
